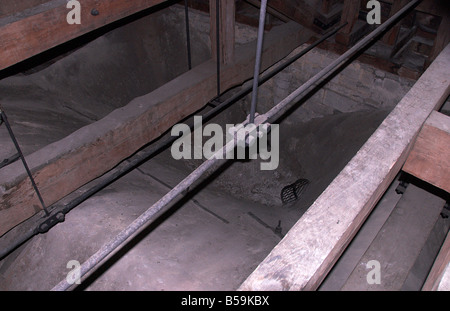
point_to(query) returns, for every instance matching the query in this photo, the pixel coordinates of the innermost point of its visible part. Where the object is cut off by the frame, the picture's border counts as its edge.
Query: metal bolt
(95, 12)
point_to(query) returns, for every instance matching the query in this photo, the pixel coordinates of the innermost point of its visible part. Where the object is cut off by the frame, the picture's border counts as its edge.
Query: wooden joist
(227, 11)
(439, 276)
(310, 249)
(429, 159)
(64, 166)
(434, 7)
(45, 26)
(299, 11)
(350, 13)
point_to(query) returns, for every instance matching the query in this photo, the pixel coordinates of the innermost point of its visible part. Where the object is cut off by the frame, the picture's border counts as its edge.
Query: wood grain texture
(227, 11)
(429, 159)
(45, 26)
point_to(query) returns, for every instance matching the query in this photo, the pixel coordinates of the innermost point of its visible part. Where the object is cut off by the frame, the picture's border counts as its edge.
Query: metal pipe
(259, 44)
(143, 155)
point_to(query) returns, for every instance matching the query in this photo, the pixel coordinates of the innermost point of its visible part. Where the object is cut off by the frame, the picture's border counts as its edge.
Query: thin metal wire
(188, 35)
(19, 151)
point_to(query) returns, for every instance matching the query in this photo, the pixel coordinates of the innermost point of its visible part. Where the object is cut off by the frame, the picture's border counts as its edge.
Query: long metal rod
(19, 151)
(143, 155)
(259, 45)
(218, 46)
(188, 35)
(197, 173)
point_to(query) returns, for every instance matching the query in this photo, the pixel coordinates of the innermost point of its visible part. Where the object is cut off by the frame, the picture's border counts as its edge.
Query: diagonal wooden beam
(45, 26)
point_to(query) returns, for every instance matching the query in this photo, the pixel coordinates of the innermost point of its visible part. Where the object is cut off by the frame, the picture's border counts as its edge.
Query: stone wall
(358, 87)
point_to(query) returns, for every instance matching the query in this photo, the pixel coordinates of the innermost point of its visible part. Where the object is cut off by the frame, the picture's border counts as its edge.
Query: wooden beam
(227, 12)
(350, 13)
(45, 26)
(310, 249)
(391, 36)
(434, 7)
(64, 166)
(439, 276)
(429, 159)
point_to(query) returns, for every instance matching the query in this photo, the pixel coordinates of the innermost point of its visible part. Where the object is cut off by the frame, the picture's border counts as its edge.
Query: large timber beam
(313, 245)
(45, 26)
(226, 22)
(429, 159)
(64, 166)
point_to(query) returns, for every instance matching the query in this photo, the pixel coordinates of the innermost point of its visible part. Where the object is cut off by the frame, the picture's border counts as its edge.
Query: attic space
(114, 115)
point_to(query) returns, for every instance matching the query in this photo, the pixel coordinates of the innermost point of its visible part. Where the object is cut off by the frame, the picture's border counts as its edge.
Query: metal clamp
(251, 136)
(50, 222)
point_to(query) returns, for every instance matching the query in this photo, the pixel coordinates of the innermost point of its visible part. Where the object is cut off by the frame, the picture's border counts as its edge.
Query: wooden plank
(257, 3)
(310, 249)
(45, 26)
(64, 166)
(429, 159)
(350, 13)
(439, 276)
(227, 12)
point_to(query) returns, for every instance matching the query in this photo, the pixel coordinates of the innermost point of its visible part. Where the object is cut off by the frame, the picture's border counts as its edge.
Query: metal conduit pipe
(274, 113)
(188, 35)
(57, 211)
(259, 44)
